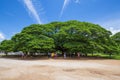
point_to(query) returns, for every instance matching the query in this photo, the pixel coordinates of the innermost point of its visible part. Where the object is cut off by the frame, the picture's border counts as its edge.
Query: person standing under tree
(49, 54)
(52, 55)
(78, 54)
(64, 55)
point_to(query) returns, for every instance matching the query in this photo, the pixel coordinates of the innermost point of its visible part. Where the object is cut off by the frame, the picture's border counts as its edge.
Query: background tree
(116, 39)
(7, 46)
(33, 39)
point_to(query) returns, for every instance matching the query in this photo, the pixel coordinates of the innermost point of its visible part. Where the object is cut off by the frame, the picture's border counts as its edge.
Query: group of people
(52, 55)
(55, 55)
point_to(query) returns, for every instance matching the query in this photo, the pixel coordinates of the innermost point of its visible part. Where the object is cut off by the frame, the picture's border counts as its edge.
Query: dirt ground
(52, 69)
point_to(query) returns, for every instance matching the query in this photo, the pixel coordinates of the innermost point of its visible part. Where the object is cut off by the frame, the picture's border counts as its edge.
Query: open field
(58, 69)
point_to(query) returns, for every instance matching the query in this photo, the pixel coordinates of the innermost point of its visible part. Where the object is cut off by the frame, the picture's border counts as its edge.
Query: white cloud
(113, 30)
(32, 10)
(2, 37)
(77, 1)
(66, 3)
(113, 25)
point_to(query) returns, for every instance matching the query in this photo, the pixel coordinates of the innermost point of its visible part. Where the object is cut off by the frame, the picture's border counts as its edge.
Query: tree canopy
(70, 36)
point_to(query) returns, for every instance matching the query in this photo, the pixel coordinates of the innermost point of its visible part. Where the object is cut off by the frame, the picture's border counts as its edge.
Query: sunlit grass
(102, 55)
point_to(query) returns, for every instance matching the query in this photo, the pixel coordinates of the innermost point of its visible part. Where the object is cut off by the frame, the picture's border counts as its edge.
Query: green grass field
(115, 56)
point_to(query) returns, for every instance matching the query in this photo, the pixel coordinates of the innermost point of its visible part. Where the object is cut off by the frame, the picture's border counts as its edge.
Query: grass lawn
(115, 56)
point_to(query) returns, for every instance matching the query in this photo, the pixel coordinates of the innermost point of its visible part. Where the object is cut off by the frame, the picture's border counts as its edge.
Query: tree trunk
(110, 55)
(6, 53)
(62, 53)
(86, 54)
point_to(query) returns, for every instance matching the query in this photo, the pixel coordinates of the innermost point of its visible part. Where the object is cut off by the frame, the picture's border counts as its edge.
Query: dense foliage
(70, 37)
(116, 39)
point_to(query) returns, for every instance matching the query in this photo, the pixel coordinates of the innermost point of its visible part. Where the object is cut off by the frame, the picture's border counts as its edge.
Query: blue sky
(17, 14)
